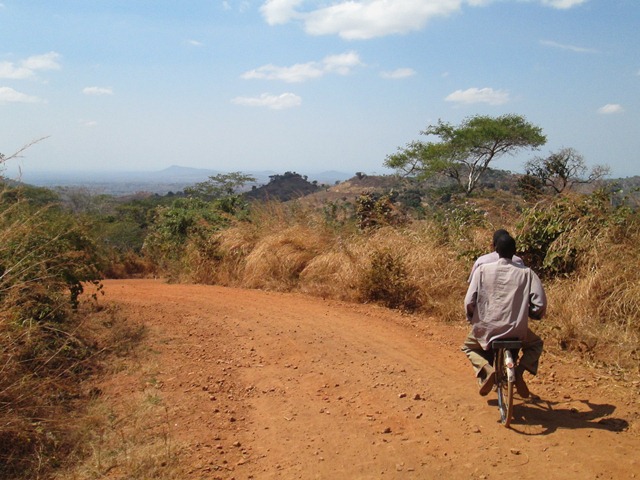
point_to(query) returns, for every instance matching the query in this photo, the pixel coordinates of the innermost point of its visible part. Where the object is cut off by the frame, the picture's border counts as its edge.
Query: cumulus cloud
(361, 19)
(563, 4)
(398, 73)
(97, 91)
(479, 95)
(274, 102)
(9, 95)
(29, 66)
(610, 108)
(353, 20)
(341, 64)
(277, 12)
(365, 19)
(562, 46)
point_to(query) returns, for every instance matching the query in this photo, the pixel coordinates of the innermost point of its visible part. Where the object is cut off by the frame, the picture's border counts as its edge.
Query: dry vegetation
(586, 250)
(421, 266)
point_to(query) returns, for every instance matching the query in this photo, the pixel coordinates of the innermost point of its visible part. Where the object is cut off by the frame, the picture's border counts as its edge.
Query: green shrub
(556, 236)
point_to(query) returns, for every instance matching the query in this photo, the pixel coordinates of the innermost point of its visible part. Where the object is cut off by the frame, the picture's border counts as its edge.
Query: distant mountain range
(172, 179)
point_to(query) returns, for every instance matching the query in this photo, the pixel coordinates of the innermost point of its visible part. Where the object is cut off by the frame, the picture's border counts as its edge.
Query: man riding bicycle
(501, 297)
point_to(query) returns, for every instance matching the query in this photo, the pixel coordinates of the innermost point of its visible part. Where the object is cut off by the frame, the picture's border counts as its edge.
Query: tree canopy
(561, 170)
(464, 152)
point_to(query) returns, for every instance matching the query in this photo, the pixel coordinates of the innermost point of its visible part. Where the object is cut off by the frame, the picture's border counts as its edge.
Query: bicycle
(505, 357)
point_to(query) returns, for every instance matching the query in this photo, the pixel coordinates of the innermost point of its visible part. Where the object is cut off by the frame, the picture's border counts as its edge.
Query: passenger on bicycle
(500, 299)
(493, 256)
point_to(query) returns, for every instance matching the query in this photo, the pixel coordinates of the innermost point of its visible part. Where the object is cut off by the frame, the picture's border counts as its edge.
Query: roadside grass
(422, 266)
(117, 437)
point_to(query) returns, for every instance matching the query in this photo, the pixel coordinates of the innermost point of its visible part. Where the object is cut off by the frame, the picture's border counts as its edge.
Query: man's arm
(537, 298)
(471, 297)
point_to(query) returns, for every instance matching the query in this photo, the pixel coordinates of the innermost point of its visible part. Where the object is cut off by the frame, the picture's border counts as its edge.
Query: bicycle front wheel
(505, 390)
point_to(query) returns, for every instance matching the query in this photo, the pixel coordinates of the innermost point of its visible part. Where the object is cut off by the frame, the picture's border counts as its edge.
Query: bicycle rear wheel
(504, 389)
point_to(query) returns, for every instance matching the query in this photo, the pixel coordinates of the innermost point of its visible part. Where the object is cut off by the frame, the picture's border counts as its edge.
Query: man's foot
(521, 386)
(486, 380)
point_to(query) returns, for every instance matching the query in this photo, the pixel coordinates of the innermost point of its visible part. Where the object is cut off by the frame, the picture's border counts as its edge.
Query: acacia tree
(464, 152)
(562, 170)
(222, 190)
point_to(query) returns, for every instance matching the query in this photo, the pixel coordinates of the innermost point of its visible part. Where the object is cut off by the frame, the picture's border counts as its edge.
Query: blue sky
(309, 86)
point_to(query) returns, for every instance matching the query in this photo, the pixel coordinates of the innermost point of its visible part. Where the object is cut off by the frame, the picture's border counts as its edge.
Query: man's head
(506, 246)
(497, 234)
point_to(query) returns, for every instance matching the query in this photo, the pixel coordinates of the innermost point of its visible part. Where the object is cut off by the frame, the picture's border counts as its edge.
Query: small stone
(387, 430)
(402, 395)
(515, 451)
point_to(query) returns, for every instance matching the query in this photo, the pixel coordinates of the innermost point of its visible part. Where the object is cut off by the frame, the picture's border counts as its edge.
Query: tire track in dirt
(268, 385)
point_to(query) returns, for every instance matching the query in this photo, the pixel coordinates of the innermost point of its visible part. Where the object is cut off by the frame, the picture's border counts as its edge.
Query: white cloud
(398, 73)
(479, 95)
(10, 70)
(611, 108)
(362, 19)
(194, 43)
(88, 123)
(299, 72)
(278, 12)
(365, 19)
(48, 61)
(29, 66)
(341, 64)
(97, 91)
(572, 48)
(9, 95)
(563, 4)
(274, 102)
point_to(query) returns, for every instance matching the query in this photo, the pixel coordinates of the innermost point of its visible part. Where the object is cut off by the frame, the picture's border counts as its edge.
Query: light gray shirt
(490, 258)
(500, 299)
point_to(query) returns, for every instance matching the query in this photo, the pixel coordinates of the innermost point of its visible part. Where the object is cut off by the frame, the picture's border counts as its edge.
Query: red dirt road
(265, 385)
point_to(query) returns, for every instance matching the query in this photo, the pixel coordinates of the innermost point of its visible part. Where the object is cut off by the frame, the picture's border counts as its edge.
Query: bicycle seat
(509, 344)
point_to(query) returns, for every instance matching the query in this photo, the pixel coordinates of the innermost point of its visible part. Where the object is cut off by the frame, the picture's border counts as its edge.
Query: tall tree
(464, 152)
(562, 170)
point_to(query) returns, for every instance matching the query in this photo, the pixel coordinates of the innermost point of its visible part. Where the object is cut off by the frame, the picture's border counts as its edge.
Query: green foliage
(554, 236)
(44, 253)
(560, 171)
(187, 221)
(223, 185)
(465, 152)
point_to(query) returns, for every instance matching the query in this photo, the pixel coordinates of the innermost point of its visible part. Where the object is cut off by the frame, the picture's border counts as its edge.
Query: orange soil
(267, 385)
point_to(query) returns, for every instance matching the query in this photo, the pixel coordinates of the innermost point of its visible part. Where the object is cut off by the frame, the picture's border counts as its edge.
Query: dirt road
(265, 385)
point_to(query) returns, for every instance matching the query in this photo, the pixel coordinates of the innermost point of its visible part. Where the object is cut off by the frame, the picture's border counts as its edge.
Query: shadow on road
(549, 416)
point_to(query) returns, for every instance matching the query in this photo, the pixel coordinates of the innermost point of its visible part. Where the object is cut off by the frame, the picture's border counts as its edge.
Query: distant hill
(284, 187)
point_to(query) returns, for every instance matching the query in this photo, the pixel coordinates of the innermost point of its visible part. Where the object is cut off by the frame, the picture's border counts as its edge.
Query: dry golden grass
(130, 440)
(423, 267)
(291, 248)
(597, 311)
(278, 259)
